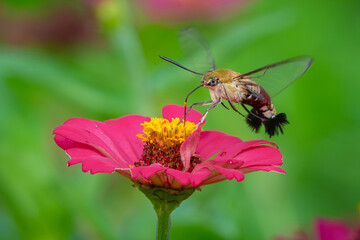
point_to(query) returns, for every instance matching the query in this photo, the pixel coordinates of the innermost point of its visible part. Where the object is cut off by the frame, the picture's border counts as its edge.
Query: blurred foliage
(42, 85)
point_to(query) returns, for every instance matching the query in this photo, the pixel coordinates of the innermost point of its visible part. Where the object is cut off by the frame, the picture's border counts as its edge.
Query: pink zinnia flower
(327, 229)
(184, 10)
(159, 152)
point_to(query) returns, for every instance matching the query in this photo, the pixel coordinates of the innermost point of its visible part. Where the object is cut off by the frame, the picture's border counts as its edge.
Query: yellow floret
(163, 132)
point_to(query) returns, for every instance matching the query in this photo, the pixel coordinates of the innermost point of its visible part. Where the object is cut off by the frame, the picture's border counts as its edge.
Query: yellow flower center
(165, 133)
(163, 139)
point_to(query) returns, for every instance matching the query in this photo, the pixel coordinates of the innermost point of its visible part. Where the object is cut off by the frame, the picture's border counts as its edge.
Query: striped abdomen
(255, 96)
(263, 111)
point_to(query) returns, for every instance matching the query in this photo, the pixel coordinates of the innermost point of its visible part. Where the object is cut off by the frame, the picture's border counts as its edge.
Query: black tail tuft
(274, 124)
(253, 121)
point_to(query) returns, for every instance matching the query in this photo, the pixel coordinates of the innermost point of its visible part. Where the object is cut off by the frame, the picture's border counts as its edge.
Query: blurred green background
(99, 59)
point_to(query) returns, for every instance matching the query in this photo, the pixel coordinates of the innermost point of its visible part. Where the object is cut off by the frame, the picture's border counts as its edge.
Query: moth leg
(251, 113)
(247, 110)
(214, 104)
(234, 108)
(232, 105)
(192, 105)
(224, 106)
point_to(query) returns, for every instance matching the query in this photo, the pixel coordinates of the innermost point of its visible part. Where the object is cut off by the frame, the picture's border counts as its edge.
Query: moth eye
(212, 81)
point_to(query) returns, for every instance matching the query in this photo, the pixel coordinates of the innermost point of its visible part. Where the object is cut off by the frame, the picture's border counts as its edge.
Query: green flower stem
(165, 201)
(164, 222)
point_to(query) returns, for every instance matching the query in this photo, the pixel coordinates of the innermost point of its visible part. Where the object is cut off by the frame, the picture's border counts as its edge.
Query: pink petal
(239, 158)
(123, 131)
(261, 155)
(214, 177)
(100, 146)
(182, 177)
(86, 132)
(91, 158)
(267, 169)
(195, 179)
(230, 173)
(212, 142)
(231, 150)
(332, 230)
(254, 143)
(222, 169)
(146, 171)
(66, 143)
(176, 111)
(223, 163)
(198, 177)
(79, 154)
(188, 148)
(98, 165)
(127, 173)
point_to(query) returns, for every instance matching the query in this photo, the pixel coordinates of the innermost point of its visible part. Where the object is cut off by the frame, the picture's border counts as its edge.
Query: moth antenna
(179, 65)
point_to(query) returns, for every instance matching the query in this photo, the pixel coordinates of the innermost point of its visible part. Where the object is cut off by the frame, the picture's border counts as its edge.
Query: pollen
(163, 139)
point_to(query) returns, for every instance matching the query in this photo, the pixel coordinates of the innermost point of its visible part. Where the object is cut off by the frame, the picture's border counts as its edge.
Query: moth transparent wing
(276, 77)
(196, 50)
